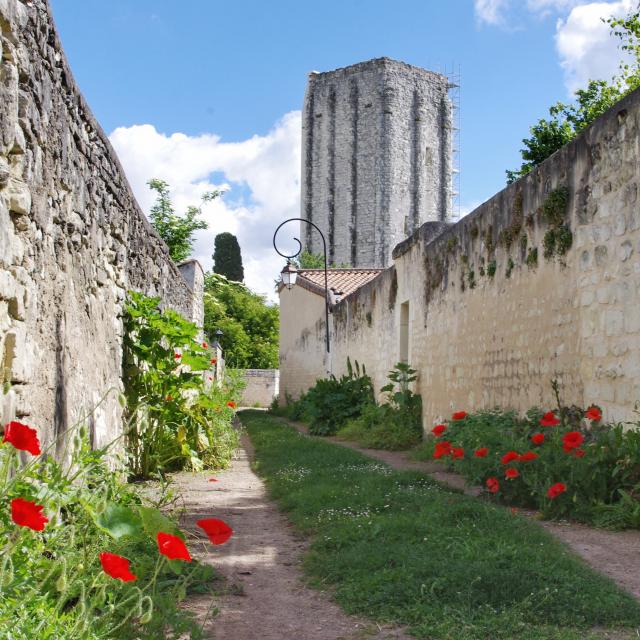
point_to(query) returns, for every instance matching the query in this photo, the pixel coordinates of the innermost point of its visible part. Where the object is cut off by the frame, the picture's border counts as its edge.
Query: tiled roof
(341, 282)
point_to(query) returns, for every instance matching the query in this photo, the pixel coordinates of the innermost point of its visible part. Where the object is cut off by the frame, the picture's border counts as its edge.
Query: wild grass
(397, 547)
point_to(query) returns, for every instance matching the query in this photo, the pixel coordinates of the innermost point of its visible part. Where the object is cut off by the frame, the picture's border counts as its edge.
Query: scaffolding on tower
(453, 76)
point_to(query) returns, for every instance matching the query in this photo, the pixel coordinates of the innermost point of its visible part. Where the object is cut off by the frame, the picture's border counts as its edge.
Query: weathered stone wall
(376, 158)
(262, 386)
(491, 319)
(72, 239)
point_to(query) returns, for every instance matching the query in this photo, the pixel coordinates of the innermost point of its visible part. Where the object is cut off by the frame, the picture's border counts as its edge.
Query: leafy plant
(80, 557)
(394, 425)
(177, 231)
(594, 467)
(249, 324)
(332, 401)
(181, 416)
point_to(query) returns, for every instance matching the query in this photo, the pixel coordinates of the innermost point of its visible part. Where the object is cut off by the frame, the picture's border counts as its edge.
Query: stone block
(613, 322)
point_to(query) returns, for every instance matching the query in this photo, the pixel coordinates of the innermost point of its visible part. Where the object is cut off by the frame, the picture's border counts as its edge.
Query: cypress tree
(227, 259)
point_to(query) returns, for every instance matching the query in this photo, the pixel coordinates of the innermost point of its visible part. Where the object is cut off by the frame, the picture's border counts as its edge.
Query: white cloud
(585, 46)
(545, 7)
(491, 11)
(261, 177)
(587, 49)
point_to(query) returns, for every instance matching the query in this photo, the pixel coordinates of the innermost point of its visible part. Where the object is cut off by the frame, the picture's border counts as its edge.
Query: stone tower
(376, 158)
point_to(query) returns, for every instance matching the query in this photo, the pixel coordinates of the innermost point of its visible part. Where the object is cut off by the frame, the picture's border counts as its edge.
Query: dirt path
(266, 597)
(616, 554)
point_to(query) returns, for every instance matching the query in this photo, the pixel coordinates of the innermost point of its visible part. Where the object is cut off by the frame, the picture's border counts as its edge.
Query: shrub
(182, 417)
(565, 463)
(58, 521)
(332, 401)
(395, 425)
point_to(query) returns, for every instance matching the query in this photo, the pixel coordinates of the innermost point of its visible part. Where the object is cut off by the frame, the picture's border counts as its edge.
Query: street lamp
(218, 335)
(289, 273)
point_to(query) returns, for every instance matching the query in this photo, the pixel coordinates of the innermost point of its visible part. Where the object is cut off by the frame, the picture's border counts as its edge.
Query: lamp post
(289, 273)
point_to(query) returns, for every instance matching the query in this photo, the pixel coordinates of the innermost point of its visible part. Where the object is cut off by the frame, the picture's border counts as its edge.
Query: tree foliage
(308, 260)
(250, 325)
(177, 231)
(227, 258)
(568, 120)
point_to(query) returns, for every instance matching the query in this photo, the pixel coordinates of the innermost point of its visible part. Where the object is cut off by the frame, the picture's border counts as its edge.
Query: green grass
(397, 547)
(391, 436)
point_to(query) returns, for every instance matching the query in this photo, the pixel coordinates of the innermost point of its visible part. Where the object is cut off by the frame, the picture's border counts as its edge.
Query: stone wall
(491, 319)
(376, 158)
(262, 387)
(72, 240)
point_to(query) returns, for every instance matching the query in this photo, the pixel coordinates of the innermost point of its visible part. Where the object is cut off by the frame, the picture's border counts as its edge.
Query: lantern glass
(289, 275)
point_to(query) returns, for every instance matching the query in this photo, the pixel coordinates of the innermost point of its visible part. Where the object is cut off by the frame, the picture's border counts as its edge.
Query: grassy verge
(397, 547)
(389, 436)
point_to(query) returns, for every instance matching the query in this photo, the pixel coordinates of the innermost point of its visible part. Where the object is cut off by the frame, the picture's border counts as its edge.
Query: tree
(177, 231)
(250, 325)
(568, 120)
(308, 260)
(227, 258)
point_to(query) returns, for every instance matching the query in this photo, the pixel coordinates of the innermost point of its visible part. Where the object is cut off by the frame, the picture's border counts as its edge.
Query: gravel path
(616, 554)
(266, 597)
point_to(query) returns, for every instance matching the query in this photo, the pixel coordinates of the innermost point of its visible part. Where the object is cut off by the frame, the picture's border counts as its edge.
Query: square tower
(376, 158)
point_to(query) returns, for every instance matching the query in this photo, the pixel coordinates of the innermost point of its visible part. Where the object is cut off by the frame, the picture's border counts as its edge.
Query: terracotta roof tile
(341, 281)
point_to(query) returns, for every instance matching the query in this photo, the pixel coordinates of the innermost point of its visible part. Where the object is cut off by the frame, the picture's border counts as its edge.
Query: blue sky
(205, 93)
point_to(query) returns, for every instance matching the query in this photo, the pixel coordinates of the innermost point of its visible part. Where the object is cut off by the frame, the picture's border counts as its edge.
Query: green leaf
(196, 362)
(119, 521)
(154, 522)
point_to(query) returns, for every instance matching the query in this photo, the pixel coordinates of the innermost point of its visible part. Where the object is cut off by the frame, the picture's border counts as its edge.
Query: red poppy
(459, 415)
(457, 453)
(217, 531)
(438, 430)
(511, 473)
(510, 456)
(172, 547)
(556, 489)
(169, 398)
(214, 360)
(481, 452)
(205, 345)
(117, 567)
(578, 453)
(22, 437)
(28, 514)
(493, 485)
(528, 456)
(442, 449)
(213, 479)
(594, 414)
(572, 440)
(231, 404)
(549, 420)
(537, 438)
(177, 356)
